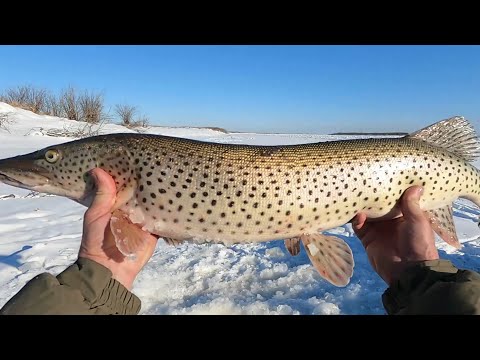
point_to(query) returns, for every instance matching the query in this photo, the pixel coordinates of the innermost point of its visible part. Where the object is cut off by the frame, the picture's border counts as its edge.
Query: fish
(186, 190)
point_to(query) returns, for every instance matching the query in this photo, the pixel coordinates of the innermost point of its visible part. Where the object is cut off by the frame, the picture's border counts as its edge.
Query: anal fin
(442, 223)
(129, 237)
(331, 257)
(293, 246)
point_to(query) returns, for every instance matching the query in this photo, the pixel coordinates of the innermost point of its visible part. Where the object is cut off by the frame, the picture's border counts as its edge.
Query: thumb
(410, 203)
(359, 224)
(104, 197)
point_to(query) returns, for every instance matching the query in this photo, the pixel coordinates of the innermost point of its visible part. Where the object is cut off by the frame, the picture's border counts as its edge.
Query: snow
(40, 232)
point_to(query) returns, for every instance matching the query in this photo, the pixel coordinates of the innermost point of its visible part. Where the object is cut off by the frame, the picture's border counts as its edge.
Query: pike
(188, 190)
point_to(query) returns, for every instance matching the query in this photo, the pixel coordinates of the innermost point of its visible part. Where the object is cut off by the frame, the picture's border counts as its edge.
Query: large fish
(186, 190)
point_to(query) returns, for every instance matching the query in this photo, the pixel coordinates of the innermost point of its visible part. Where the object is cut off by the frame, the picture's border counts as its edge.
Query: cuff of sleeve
(414, 280)
(99, 289)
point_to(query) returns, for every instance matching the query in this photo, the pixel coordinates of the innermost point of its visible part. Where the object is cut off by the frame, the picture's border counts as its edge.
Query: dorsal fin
(456, 135)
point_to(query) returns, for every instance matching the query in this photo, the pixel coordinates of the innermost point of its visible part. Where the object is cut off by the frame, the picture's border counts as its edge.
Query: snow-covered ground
(41, 233)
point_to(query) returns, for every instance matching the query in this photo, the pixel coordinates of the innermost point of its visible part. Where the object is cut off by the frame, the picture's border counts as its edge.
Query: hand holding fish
(98, 243)
(393, 245)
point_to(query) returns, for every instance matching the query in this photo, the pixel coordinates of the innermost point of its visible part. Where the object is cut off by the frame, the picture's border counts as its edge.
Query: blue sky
(298, 89)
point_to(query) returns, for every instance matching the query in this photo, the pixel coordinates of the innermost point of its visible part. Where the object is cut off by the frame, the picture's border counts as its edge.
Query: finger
(410, 203)
(105, 193)
(360, 225)
(359, 221)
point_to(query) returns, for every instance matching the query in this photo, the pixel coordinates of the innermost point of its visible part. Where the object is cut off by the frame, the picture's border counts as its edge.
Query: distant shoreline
(369, 133)
(272, 133)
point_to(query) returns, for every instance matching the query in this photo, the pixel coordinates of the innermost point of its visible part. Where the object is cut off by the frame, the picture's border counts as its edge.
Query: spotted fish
(187, 190)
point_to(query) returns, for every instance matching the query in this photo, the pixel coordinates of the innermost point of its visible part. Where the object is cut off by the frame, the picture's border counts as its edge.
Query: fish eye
(52, 156)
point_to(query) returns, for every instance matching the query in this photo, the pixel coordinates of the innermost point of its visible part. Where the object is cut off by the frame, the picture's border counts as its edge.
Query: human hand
(393, 245)
(98, 243)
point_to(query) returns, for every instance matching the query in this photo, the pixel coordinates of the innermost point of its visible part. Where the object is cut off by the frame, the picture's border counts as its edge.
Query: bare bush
(141, 121)
(91, 108)
(126, 114)
(128, 118)
(16, 96)
(27, 97)
(88, 107)
(38, 100)
(69, 104)
(53, 106)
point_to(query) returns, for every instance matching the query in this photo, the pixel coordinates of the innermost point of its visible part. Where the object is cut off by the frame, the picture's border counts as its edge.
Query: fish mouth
(9, 180)
(23, 173)
(27, 181)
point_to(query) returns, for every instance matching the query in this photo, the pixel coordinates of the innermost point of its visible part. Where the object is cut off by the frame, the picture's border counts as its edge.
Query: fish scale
(188, 190)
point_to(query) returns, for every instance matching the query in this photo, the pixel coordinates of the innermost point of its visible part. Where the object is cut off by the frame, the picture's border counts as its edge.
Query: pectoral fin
(442, 223)
(331, 256)
(293, 246)
(129, 237)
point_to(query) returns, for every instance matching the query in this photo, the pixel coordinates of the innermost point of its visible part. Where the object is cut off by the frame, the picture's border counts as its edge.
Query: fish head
(63, 169)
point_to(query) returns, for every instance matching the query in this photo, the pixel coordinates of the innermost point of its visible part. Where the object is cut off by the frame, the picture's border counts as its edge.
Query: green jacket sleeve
(85, 287)
(434, 287)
